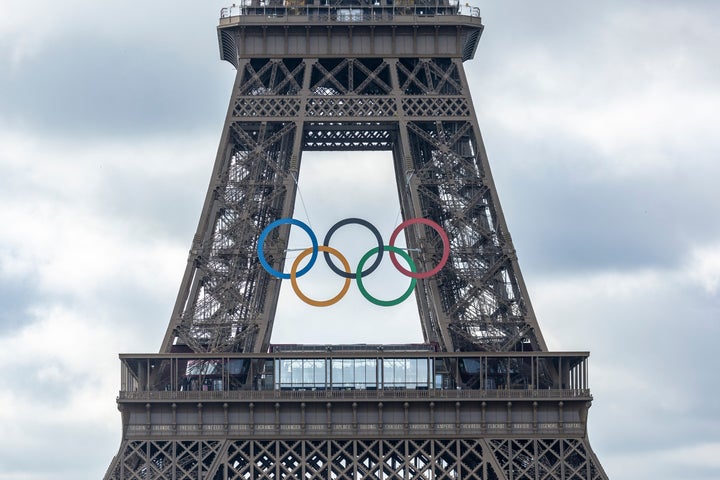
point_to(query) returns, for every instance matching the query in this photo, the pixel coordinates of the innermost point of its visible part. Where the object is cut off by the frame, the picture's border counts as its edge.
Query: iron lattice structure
(317, 85)
(363, 458)
(368, 77)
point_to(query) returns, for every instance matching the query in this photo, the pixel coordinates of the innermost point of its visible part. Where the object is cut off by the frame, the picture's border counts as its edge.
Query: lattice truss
(351, 459)
(546, 459)
(164, 460)
(225, 284)
(479, 289)
(281, 107)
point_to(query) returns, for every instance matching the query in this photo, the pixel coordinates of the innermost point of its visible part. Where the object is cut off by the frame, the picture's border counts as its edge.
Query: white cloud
(698, 461)
(704, 268)
(651, 336)
(57, 230)
(703, 455)
(60, 375)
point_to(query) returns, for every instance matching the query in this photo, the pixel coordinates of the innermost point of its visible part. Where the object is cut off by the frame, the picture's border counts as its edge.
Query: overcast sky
(601, 125)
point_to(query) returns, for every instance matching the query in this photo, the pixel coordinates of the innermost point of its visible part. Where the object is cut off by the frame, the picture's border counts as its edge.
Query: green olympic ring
(370, 298)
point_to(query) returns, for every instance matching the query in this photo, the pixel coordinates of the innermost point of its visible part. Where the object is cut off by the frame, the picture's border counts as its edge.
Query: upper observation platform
(356, 28)
(382, 371)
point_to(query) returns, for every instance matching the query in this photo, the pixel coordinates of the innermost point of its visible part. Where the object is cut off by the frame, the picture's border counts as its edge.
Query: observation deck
(336, 391)
(297, 28)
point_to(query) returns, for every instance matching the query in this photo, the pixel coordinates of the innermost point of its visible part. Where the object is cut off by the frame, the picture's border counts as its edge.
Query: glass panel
(411, 372)
(308, 373)
(300, 373)
(284, 373)
(371, 373)
(422, 373)
(348, 373)
(268, 374)
(388, 372)
(321, 374)
(296, 372)
(470, 371)
(277, 370)
(360, 373)
(395, 371)
(337, 373)
(400, 372)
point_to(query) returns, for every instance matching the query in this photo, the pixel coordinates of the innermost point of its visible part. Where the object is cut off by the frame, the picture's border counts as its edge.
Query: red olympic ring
(443, 236)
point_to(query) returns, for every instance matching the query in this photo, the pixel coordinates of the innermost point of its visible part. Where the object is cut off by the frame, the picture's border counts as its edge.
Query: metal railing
(349, 14)
(241, 395)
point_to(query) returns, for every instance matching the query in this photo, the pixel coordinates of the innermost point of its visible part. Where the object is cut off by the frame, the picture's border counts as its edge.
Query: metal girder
(418, 108)
(322, 459)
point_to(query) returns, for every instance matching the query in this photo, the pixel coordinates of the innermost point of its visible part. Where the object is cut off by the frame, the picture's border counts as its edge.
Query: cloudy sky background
(601, 124)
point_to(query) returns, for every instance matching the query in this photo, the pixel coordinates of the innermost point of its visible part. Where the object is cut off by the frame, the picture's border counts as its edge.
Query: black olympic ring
(364, 223)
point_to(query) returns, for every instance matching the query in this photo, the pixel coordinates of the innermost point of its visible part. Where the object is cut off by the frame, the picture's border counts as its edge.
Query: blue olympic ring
(266, 232)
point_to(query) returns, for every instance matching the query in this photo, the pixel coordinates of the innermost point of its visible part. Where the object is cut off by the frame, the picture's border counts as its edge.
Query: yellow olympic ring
(308, 300)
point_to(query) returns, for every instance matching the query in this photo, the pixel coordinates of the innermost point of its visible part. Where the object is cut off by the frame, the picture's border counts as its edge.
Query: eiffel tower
(481, 398)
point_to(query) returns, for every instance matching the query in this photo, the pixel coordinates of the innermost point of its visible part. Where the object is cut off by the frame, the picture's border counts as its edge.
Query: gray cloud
(14, 292)
(155, 205)
(562, 219)
(87, 89)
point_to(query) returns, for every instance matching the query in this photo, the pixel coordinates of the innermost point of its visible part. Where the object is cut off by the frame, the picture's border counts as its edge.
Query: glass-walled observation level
(277, 373)
(346, 10)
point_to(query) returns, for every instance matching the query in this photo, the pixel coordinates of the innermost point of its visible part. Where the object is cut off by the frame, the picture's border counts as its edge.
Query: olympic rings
(347, 273)
(293, 277)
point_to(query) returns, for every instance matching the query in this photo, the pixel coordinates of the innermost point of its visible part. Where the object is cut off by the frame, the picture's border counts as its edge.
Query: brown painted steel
(359, 76)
